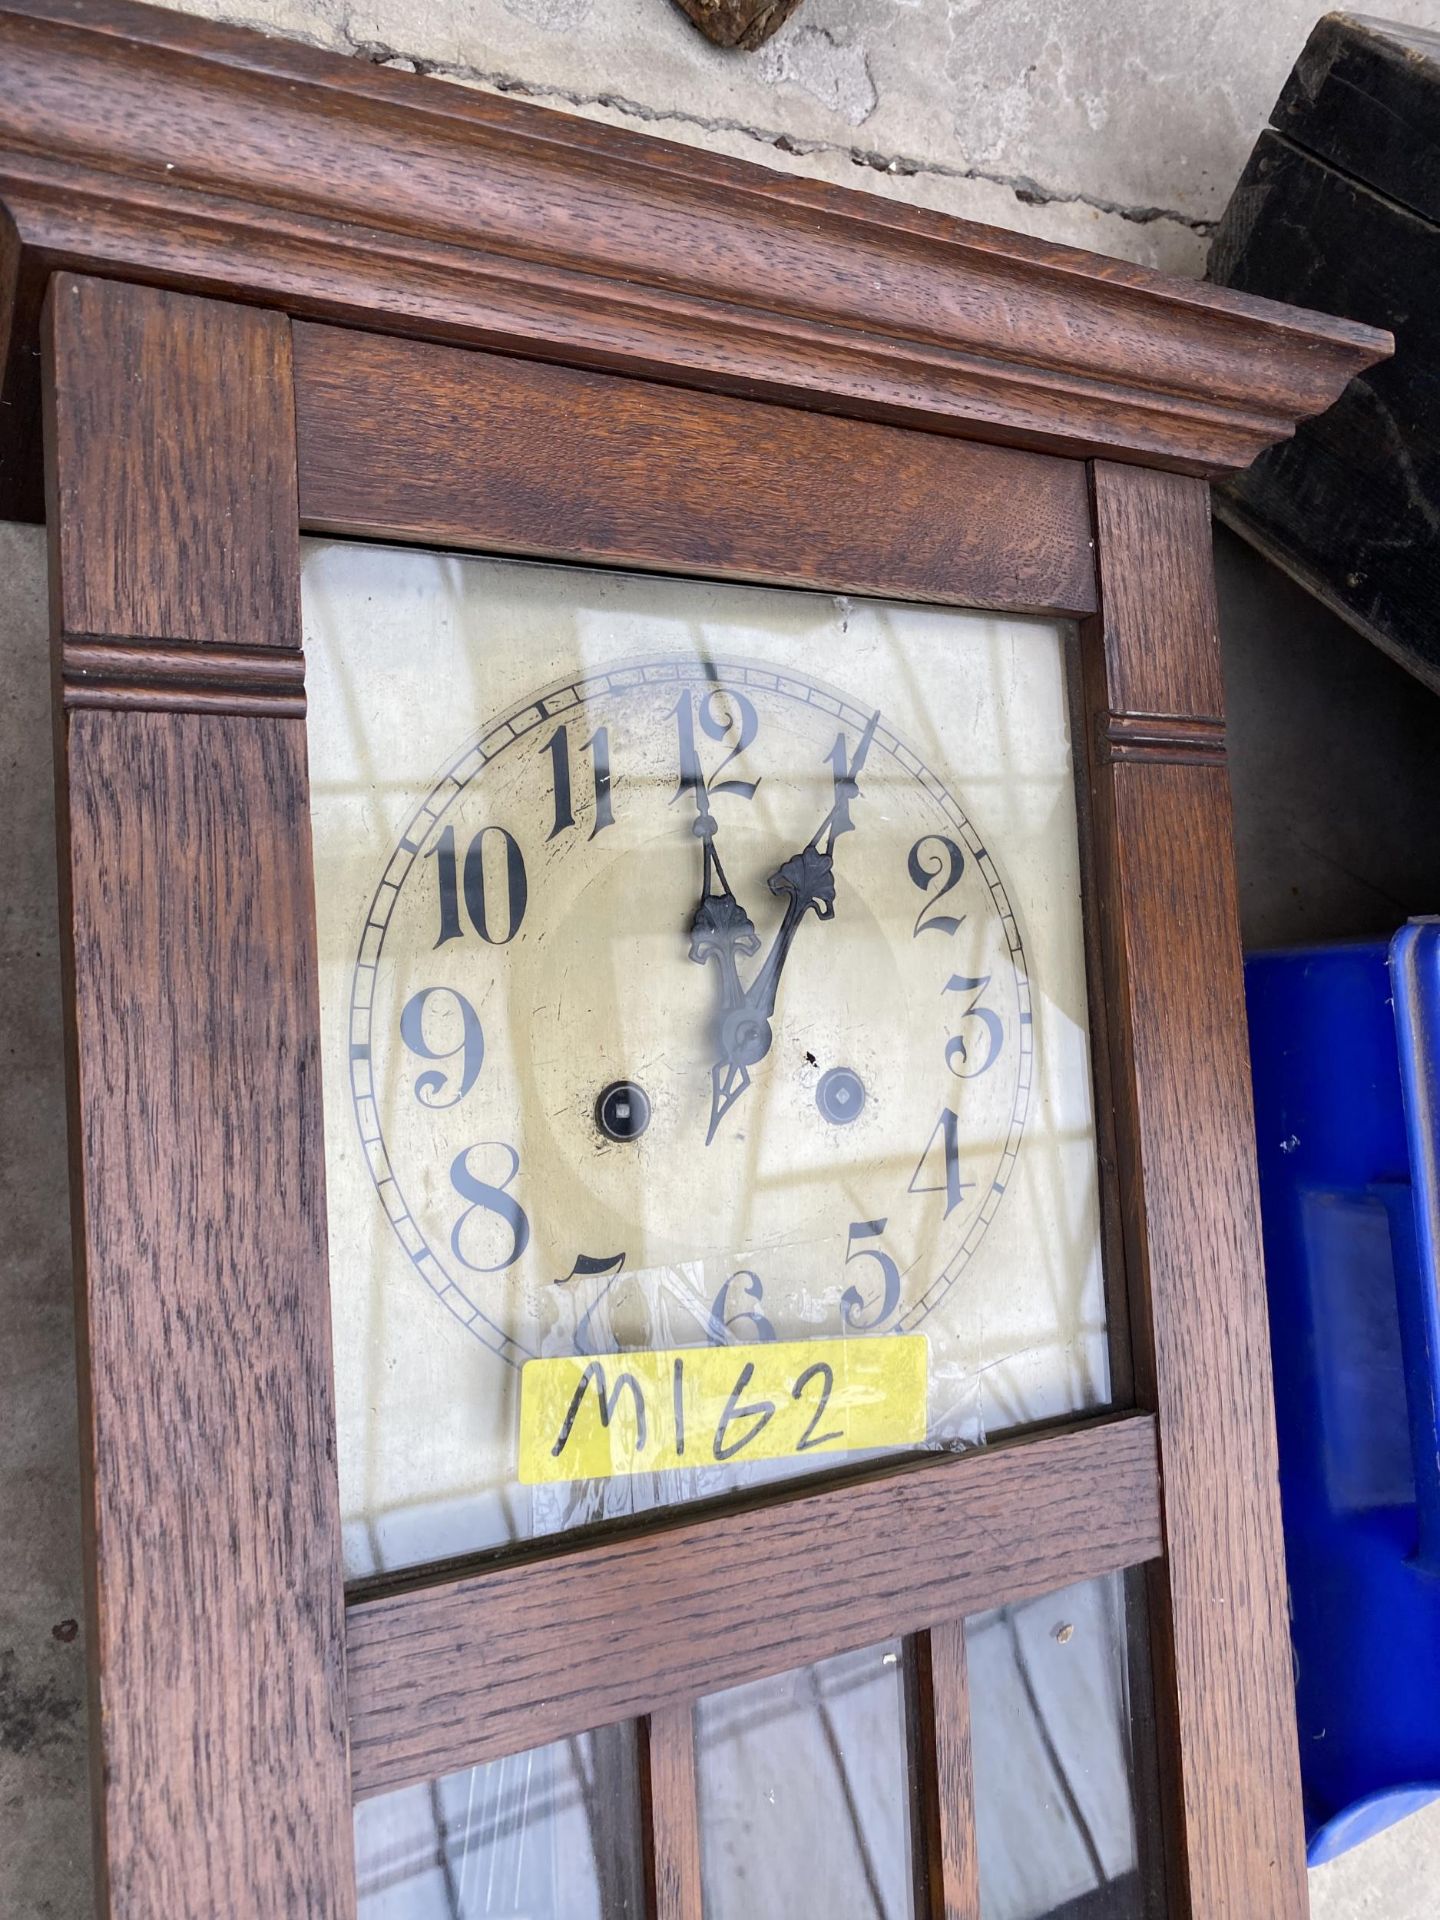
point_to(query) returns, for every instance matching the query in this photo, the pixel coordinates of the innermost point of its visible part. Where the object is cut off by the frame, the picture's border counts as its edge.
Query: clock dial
(702, 970)
(695, 1000)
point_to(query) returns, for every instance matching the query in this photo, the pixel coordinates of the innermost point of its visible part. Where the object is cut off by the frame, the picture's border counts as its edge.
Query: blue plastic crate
(1345, 1046)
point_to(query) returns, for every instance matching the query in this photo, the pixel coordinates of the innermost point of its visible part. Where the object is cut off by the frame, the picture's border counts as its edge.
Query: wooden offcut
(1339, 208)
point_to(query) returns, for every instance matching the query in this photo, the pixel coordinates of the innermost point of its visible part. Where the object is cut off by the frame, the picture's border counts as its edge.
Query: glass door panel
(1060, 1757)
(708, 1092)
(548, 1835)
(804, 1802)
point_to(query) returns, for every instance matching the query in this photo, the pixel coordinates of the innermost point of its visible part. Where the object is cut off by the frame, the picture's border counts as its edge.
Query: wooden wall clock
(679, 709)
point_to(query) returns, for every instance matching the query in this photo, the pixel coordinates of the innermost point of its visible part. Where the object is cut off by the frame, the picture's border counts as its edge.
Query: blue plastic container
(1345, 1045)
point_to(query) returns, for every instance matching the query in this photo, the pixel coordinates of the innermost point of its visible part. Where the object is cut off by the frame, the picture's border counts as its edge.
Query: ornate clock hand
(807, 879)
(720, 928)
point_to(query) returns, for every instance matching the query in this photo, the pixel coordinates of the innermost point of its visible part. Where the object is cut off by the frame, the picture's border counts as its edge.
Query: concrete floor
(1119, 125)
(1396, 1876)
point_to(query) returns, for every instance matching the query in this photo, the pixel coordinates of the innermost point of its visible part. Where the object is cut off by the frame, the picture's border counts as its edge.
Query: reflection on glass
(548, 1835)
(1054, 1736)
(803, 1794)
(702, 983)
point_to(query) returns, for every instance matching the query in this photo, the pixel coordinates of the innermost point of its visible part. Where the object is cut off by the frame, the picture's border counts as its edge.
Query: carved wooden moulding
(389, 202)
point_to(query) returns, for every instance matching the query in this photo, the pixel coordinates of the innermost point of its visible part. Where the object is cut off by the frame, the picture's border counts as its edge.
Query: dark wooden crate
(1339, 208)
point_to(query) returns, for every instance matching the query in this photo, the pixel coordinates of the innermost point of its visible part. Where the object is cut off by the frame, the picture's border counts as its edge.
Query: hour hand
(721, 931)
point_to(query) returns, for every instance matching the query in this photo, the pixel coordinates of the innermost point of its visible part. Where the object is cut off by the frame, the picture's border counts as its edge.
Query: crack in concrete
(1029, 192)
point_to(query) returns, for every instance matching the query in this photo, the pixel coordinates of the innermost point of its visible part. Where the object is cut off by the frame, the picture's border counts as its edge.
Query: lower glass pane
(803, 1793)
(1060, 1740)
(548, 1835)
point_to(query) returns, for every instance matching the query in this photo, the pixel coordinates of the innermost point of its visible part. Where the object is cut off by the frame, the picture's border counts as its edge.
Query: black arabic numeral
(761, 1411)
(587, 1266)
(486, 1198)
(722, 1326)
(956, 1049)
(473, 881)
(826, 1375)
(852, 1301)
(598, 747)
(932, 855)
(954, 1187)
(443, 854)
(470, 1046)
(716, 723)
(516, 887)
(558, 748)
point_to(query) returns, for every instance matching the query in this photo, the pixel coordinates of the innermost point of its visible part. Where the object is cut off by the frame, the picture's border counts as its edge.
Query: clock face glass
(707, 1074)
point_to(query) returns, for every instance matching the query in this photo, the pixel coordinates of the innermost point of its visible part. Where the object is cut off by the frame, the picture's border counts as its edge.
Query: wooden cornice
(149, 145)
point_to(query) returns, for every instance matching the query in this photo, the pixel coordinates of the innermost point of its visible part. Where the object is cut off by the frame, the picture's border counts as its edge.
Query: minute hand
(807, 878)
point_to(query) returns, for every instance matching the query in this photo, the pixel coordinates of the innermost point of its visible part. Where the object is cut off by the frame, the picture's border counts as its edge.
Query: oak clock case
(702, 974)
(344, 301)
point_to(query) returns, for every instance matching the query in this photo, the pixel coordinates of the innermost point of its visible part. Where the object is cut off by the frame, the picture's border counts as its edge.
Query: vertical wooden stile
(945, 1799)
(1170, 934)
(215, 1605)
(671, 1802)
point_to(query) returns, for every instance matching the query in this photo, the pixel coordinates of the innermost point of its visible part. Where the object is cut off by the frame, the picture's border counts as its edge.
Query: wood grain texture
(399, 440)
(1161, 633)
(194, 679)
(670, 1803)
(469, 1668)
(947, 1786)
(215, 1625)
(143, 144)
(1225, 1699)
(1163, 737)
(190, 448)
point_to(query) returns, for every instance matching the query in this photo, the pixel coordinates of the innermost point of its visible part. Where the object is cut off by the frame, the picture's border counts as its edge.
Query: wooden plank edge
(947, 1788)
(670, 1814)
(450, 1673)
(1232, 510)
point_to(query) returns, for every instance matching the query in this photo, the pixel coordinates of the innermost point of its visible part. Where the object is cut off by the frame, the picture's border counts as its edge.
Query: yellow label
(585, 1417)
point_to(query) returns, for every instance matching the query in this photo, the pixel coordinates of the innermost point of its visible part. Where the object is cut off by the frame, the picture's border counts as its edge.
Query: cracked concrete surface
(1119, 125)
